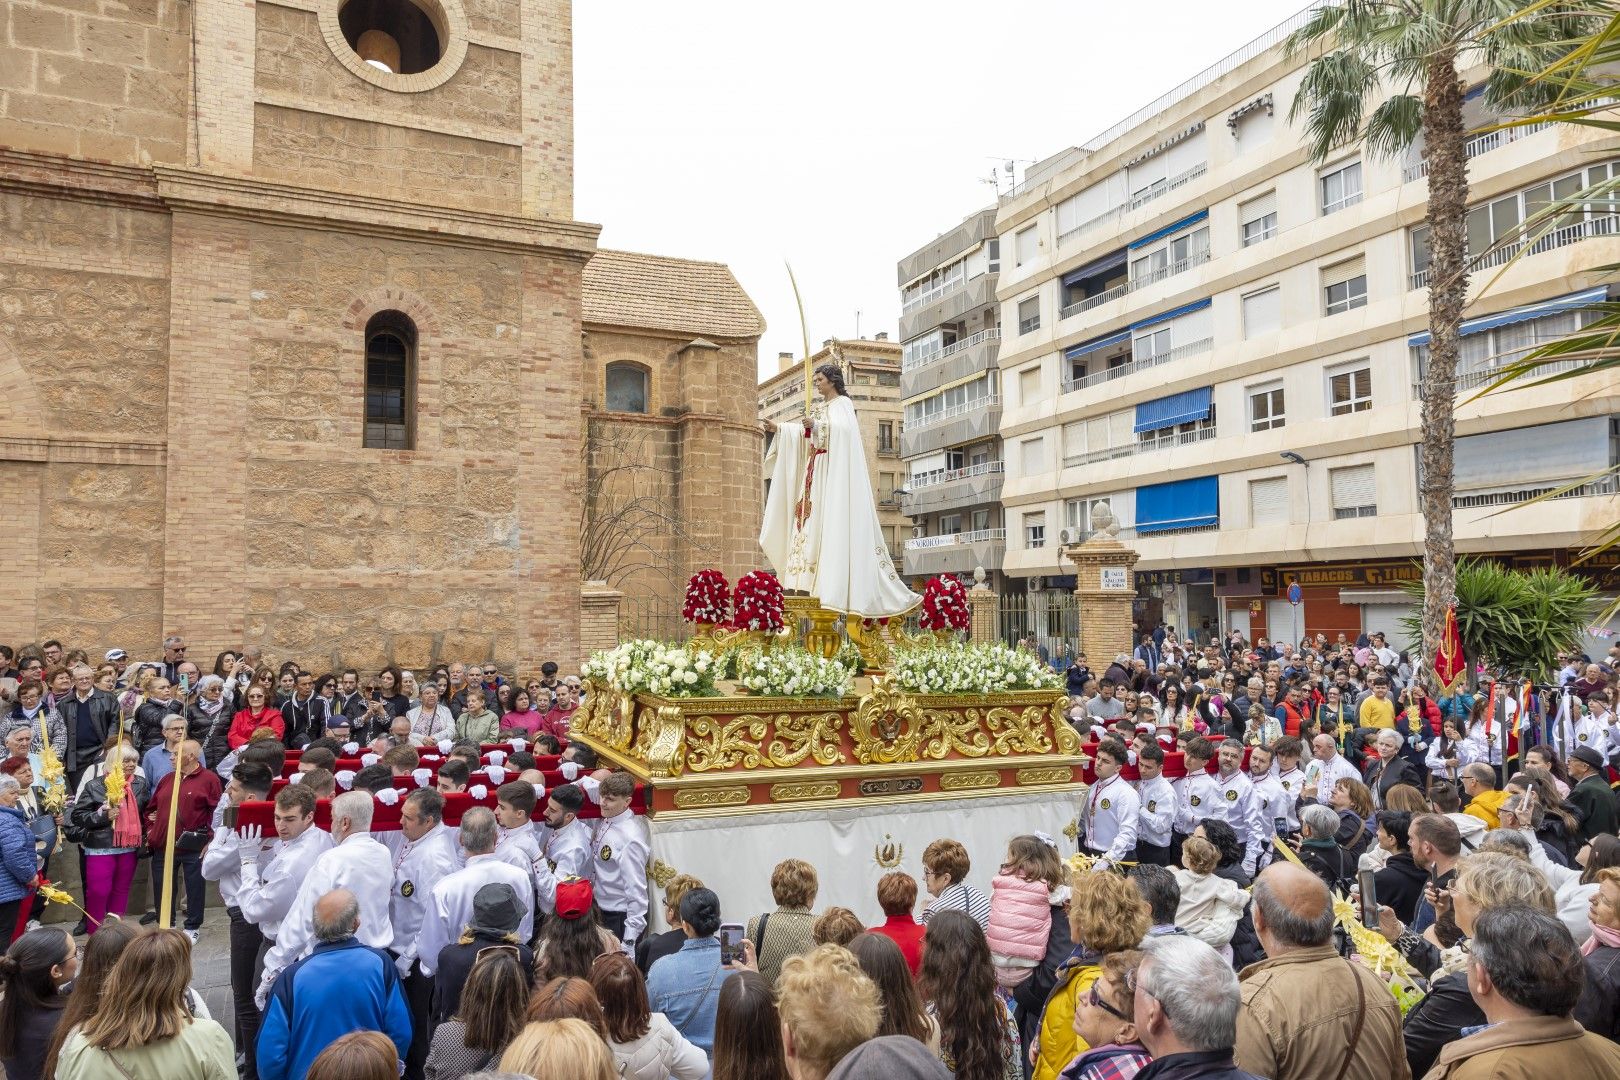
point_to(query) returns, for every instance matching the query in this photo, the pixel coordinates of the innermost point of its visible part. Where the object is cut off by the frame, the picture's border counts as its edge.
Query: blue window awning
(1585, 298)
(1163, 316)
(1180, 504)
(1168, 229)
(1183, 408)
(1112, 261)
(1097, 343)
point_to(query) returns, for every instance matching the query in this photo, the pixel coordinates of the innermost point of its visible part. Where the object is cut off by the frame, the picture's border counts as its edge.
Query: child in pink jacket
(1031, 880)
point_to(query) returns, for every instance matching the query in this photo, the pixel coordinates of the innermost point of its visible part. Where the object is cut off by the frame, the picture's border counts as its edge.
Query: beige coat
(1546, 1046)
(1299, 1010)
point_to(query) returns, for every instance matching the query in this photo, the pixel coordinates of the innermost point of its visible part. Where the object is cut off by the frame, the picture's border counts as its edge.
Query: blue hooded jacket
(342, 986)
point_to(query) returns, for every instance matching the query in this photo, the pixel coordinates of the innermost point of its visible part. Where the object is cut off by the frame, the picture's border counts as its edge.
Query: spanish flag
(1449, 663)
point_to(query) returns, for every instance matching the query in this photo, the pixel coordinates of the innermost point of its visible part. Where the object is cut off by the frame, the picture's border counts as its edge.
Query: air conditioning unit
(919, 531)
(1069, 536)
(1036, 584)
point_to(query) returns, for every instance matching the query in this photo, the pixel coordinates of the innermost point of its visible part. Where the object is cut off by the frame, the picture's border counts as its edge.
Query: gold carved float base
(738, 753)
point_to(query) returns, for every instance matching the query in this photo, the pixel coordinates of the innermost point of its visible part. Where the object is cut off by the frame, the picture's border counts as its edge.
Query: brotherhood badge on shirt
(606, 854)
(1105, 804)
(1288, 785)
(1581, 736)
(1152, 805)
(1196, 801)
(407, 888)
(1231, 795)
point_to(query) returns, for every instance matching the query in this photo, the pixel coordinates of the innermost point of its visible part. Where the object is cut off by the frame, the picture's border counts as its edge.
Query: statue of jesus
(821, 529)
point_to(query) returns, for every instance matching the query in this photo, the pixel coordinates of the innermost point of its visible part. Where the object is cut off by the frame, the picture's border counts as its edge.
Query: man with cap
(450, 908)
(119, 659)
(1591, 793)
(496, 914)
(425, 856)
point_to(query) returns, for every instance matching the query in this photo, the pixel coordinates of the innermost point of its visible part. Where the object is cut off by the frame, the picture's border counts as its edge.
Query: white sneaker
(193, 935)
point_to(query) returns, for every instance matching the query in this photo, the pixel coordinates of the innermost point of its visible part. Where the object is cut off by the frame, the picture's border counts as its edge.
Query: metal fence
(645, 617)
(1052, 617)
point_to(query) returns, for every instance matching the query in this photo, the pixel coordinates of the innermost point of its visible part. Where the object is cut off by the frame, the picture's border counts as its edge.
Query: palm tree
(1417, 49)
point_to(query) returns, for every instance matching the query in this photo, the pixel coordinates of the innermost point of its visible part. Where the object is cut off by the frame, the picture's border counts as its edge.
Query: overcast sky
(841, 135)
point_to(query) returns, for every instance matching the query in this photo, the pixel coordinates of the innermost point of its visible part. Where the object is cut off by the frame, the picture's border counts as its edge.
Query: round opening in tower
(396, 36)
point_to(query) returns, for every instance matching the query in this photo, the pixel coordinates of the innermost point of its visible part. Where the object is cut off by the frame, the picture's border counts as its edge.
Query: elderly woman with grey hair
(19, 865)
(1319, 849)
(110, 836)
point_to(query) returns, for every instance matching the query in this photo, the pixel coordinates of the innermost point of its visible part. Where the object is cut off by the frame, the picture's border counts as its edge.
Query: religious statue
(821, 529)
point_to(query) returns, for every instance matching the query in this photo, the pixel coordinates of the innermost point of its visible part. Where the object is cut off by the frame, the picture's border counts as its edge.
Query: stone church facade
(291, 342)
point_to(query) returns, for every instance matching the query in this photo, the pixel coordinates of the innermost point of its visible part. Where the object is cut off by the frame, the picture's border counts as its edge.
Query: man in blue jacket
(341, 986)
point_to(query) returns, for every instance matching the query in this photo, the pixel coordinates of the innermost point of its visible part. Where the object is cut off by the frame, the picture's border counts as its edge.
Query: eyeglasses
(1095, 1000)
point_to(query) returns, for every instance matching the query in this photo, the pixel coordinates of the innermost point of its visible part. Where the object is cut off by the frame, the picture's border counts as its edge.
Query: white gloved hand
(539, 792)
(351, 748)
(251, 844)
(519, 745)
(497, 757)
(479, 792)
(403, 964)
(368, 760)
(445, 746)
(423, 777)
(344, 778)
(496, 774)
(296, 778)
(388, 796)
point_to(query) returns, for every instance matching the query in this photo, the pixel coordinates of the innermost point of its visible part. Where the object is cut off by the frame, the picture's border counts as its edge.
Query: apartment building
(872, 377)
(950, 332)
(1222, 340)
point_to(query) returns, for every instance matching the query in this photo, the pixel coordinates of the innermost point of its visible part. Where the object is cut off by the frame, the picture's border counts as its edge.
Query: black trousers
(614, 921)
(8, 918)
(245, 939)
(190, 864)
(419, 998)
(1152, 854)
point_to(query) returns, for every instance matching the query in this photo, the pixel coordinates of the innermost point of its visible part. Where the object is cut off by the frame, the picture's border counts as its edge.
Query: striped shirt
(961, 897)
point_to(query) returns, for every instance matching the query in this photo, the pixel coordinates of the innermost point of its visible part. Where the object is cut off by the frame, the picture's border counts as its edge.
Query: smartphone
(185, 683)
(731, 942)
(1369, 899)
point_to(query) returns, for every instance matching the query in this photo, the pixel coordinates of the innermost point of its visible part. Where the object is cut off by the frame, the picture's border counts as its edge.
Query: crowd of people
(1196, 934)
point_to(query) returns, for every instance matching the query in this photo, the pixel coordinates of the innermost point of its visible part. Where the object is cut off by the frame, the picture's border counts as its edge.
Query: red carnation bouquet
(708, 598)
(944, 605)
(759, 602)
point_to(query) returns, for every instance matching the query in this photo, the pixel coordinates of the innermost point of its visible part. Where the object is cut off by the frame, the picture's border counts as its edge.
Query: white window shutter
(1352, 487)
(1268, 501)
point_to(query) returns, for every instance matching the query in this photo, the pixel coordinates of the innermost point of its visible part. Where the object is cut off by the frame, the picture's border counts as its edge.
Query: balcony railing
(953, 411)
(1142, 363)
(952, 539)
(1609, 485)
(1564, 235)
(1094, 301)
(1474, 378)
(991, 334)
(1144, 445)
(945, 476)
(1141, 198)
(1479, 144)
(888, 449)
(938, 292)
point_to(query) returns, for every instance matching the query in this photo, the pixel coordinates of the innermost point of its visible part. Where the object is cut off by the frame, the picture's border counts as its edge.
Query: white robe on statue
(823, 537)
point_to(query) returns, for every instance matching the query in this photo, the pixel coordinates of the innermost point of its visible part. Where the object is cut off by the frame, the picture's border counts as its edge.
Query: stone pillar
(1105, 586)
(598, 617)
(983, 612)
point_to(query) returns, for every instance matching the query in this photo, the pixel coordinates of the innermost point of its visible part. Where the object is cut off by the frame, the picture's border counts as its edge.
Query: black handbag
(192, 841)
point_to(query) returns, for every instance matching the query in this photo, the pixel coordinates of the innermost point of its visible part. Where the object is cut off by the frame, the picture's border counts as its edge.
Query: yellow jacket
(1485, 806)
(1059, 1044)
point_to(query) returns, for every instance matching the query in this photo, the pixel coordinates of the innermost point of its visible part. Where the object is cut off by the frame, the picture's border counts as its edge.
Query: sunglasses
(1095, 1000)
(512, 949)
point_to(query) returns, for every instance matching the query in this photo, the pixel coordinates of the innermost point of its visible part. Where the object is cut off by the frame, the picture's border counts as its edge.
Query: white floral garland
(969, 669)
(794, 672)
(653, 667)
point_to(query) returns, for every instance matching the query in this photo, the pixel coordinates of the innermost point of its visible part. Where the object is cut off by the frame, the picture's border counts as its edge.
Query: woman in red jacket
(258, 714)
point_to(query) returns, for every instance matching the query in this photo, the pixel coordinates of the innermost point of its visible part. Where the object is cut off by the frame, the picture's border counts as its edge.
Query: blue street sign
(1294, 593)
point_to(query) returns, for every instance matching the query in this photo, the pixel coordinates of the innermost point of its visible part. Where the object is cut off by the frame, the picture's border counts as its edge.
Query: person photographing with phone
(685, 986)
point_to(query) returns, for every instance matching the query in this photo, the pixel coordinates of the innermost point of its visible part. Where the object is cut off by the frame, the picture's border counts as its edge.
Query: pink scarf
(1601, 935)
(127, 829)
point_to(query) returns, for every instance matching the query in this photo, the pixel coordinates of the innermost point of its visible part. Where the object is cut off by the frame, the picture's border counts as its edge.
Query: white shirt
(1462, 749)
(418, 867)
(1156, 815)
(1235, 804)
(619, 848)
(359, 864)
(1195, 792)
(568, 849)
(450, 907)
(1290, 782)
(1327, 775)
(520, 842)
(1108, 821)
(1269, 794)
(265, 899)
(222, 862)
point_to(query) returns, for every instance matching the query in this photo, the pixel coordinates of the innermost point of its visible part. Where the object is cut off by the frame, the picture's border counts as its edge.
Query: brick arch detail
(392, 298)
(422, 315)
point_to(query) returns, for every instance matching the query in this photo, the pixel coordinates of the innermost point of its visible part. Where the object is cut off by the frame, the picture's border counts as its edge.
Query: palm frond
(1332, 98)
(1394, 125)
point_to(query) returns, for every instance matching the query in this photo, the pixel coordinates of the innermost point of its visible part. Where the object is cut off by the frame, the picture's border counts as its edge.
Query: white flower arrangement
(653, 667)
(970, 669)
(794, 672)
